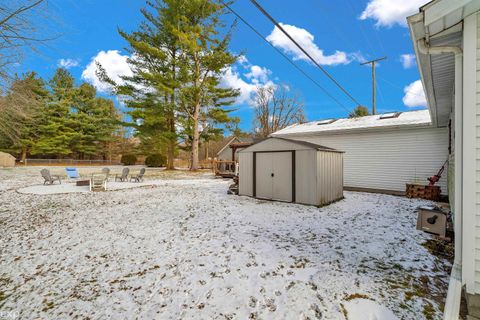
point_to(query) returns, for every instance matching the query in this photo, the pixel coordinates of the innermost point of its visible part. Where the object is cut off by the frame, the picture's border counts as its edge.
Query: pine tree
(205, 56)
(27, 96)
(94, 120)
(178, 57)
(359, 111)
(151, 93)
(56, 128)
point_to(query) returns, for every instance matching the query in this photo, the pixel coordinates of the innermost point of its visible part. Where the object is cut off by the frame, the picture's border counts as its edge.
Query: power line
(286, 57)
(266, 14)
(400, 87)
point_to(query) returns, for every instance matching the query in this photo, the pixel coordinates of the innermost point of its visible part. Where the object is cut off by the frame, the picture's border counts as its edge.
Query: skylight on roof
(390, 115)
(328, 121)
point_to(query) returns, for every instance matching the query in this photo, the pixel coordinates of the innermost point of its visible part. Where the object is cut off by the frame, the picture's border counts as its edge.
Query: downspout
(452, 303)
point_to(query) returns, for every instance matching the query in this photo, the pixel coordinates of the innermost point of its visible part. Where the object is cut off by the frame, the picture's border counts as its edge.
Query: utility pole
(372, 62)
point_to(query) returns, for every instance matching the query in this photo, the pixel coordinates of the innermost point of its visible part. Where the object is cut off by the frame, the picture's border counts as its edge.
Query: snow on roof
(410, 118)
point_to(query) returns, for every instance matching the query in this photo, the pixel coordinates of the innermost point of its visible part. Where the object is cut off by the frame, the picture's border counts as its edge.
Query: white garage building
(382, 152)
(292, 171)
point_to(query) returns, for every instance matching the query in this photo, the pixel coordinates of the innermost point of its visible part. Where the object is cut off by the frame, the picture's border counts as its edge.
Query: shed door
(264, 175)
(274, 176)
(282, 179)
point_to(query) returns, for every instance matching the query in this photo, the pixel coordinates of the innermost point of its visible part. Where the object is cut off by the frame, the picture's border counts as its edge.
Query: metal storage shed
(292, 171)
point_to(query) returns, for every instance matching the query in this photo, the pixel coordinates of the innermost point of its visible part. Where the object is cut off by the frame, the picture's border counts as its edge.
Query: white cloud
(67, 63)
(408, 60)
(387, 13)
(243, 75)
(306, 40)
(242, 59)
(358, 56)
(414, 95)
(115, 65)
(258, 74)
(255, 77)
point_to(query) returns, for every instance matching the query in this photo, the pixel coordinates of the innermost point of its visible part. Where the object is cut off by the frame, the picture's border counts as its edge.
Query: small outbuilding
(291, 171)
(231, 148)
(6, 160)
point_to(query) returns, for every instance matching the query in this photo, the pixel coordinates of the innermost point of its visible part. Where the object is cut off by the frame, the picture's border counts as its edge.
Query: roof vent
(389, 115)
(328, 121)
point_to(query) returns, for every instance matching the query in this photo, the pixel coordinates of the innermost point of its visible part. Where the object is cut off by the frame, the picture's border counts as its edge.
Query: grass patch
(428, 311)
(440, 248)
(48, 305)
(351, 297)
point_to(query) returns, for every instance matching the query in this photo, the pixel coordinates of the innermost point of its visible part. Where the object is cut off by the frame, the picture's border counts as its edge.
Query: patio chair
(72, 173)
(48, 177)
(98, 182)
(139, 176)
(106, 172)
(124, 176)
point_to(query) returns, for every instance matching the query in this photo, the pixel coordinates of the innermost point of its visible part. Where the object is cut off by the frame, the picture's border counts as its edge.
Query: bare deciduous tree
(276, 108)
(17, 31)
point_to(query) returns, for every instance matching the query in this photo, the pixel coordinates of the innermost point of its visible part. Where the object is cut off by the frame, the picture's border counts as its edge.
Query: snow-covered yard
(184, 249)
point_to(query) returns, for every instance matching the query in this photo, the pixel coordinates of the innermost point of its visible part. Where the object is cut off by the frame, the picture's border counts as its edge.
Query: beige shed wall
(330, 176)
(306, 176)
(245, 174)
(6, 160)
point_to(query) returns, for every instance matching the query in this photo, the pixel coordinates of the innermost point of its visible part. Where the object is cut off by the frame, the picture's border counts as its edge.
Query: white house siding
(472, 120)
(387, 160)
(477, 164)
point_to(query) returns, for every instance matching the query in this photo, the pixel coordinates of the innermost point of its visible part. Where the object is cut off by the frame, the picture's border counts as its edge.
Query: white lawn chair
(98, 182)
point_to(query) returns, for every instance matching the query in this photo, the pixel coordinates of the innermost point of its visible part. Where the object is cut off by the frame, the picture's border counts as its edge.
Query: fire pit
(83, 183)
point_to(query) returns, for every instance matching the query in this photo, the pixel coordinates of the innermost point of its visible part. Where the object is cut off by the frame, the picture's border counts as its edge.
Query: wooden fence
(66, 162)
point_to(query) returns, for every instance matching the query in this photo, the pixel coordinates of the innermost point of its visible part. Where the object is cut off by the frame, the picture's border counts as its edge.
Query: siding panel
(387, 160)
(477, 163)
(305, 176)
(245, 172)
(330, 176)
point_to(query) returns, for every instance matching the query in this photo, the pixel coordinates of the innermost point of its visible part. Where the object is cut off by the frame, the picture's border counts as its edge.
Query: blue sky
(340, 34)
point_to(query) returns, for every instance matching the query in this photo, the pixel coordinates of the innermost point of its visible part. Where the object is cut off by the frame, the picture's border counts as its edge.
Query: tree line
(56, 118)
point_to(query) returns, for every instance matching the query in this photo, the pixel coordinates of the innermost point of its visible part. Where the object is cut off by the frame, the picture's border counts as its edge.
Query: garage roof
(377, 121)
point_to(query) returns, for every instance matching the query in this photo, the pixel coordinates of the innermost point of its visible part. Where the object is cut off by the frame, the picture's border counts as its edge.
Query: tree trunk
(172, 140)
(196, 138)
(171, 148)
(24, 154)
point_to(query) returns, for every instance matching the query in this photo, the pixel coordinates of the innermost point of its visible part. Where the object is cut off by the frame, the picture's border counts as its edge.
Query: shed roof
(306, 144)
(6, 155)
(402, 119)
